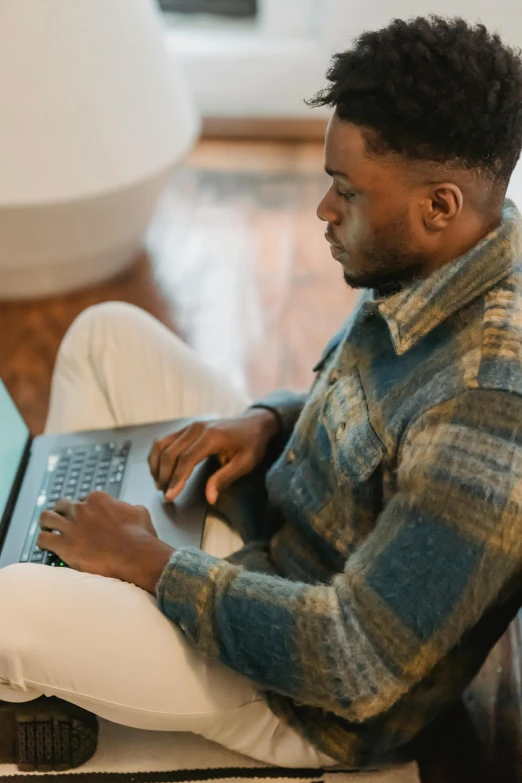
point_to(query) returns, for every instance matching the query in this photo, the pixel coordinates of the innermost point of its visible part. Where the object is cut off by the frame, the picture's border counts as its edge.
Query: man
(383, 548)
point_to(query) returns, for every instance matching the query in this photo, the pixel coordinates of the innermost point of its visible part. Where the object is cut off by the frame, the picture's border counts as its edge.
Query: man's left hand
(105, 536)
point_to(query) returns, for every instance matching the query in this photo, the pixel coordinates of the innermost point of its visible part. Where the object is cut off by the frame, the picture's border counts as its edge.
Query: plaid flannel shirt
(383, 552)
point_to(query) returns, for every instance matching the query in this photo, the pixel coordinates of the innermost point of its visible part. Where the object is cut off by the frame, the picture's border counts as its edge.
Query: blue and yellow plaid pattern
(385, 560)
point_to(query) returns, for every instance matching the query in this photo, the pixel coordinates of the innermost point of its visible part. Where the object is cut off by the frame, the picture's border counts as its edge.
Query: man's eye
(346, 194)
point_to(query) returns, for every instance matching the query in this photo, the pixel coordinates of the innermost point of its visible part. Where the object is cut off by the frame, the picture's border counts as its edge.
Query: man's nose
(326, 212)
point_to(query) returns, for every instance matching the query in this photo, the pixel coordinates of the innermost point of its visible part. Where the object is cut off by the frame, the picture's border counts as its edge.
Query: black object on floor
(217, 7)
(46, 735)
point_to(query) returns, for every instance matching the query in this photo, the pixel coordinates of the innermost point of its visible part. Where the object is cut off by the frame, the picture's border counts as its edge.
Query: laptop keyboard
(74, 473)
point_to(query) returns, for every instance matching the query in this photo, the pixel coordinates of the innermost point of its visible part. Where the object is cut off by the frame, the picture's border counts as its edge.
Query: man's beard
(382, 278)
(392, 262)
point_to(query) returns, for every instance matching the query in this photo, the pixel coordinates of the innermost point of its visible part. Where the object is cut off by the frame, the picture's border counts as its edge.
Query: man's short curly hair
(433, 89)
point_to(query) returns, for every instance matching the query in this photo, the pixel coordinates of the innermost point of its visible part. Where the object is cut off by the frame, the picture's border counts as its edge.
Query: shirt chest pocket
(356, 450)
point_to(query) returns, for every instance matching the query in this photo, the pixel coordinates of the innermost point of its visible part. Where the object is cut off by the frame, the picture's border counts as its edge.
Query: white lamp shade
(93, 117)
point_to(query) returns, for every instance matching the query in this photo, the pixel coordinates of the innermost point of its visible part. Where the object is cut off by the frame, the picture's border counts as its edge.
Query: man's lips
(337, 251)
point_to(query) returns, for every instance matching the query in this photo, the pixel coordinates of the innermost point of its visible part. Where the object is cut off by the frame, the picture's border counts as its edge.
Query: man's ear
(443, 206)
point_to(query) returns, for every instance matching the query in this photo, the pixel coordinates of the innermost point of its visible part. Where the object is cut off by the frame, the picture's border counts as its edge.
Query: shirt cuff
(187, 591)
(287, 406)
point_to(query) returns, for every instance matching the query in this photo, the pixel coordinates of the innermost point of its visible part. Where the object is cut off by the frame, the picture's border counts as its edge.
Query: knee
(96, 324)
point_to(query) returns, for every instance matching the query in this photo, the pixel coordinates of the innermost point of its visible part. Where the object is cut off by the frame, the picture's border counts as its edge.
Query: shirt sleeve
(287, 406)
(444, 547)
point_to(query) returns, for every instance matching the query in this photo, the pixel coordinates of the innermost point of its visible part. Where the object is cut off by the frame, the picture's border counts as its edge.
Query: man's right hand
(239, 443)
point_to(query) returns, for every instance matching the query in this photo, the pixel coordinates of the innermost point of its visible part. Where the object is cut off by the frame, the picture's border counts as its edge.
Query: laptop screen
(13, 440)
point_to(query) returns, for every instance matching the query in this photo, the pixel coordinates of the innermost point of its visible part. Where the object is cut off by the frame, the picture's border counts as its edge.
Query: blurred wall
(267, 72)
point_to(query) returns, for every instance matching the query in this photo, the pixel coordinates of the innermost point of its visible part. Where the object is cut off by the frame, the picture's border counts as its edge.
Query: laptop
(36, 471)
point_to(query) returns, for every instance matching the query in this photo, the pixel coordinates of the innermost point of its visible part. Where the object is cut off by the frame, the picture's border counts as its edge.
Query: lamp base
(55, 279)
(58, 248)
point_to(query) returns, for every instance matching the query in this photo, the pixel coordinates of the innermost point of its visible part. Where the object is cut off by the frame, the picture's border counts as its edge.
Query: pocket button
(290, 457)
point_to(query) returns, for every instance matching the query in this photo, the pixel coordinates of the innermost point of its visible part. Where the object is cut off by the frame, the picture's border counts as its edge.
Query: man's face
(368, 211)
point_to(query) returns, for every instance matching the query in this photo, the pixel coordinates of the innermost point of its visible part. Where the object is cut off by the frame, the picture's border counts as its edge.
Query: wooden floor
(236, 262)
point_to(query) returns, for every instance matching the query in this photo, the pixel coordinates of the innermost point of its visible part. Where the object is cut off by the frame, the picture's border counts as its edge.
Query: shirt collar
(416, 310)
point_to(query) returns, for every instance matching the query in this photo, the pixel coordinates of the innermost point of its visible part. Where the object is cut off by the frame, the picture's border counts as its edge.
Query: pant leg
(101, 643)
(118, 366)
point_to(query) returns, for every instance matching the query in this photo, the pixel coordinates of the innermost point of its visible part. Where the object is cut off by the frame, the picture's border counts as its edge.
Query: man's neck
(388, 289)
(457, 246)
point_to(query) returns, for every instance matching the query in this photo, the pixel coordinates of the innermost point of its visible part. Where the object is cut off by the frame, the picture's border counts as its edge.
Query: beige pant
(101, 643)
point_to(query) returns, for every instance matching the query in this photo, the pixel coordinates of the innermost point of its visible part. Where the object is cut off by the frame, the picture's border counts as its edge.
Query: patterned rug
(130, 756)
